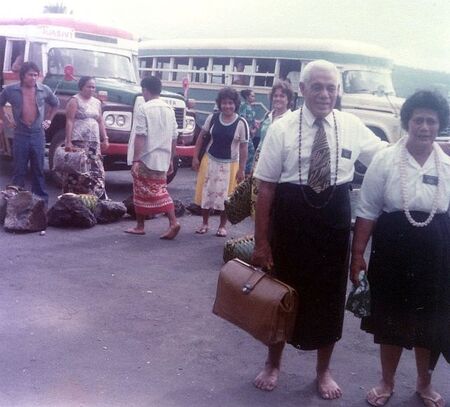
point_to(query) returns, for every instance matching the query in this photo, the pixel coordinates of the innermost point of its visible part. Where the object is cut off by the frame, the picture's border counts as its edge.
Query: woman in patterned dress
(85, 129)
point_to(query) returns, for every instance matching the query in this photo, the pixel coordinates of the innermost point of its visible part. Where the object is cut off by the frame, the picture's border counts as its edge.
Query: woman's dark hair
(228, 93)
(152, 84)
(26, 67)
(245, 93)
(83, 80)
(285, 87)
(425, 99)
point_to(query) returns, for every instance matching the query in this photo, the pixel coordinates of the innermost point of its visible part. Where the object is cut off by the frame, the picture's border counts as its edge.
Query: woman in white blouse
(404, 201)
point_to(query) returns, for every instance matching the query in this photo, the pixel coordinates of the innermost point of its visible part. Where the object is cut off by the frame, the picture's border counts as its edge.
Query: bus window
(199, 65)
(17, 55)
(35, 54)
(220, 67)
(55, 62)
(163, 63)
(242, 65)
(290, 71)
(183, 64)
(265, 66)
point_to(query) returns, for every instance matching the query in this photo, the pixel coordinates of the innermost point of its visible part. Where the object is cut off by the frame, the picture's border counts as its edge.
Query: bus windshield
(367, 82)
(91, 63)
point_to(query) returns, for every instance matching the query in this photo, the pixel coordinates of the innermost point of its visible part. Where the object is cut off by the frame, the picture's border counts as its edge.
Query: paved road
(98, 318)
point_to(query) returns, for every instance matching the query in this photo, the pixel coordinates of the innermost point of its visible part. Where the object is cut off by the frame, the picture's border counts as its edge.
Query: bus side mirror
(68, 73)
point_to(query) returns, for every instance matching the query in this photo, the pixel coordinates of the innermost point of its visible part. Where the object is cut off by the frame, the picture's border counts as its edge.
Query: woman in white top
(404, 201)
(281, 97)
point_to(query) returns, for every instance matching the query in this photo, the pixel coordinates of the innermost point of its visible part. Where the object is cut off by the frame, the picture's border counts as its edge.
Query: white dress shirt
(279, 159)
(155, 120)
(381, 188)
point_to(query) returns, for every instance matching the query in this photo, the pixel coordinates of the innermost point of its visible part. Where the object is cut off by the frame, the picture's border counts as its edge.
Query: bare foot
(380, 395)
(171, 232)
(135, 231)
(267, 379)
(327, 387)
(429, 397)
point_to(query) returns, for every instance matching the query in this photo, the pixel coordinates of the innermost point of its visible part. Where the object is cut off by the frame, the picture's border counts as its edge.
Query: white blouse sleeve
(242, 131)
(371, 199)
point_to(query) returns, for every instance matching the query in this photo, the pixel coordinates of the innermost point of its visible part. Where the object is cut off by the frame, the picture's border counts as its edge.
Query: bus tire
(176, 163)
(58, 139)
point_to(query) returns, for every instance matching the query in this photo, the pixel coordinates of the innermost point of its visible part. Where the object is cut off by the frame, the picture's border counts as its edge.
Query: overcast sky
(416, 32)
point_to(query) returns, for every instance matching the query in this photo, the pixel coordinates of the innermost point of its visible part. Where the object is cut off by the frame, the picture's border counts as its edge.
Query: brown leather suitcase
(256, 302)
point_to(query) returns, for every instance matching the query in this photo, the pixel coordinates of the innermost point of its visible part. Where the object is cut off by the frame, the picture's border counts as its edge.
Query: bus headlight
(117, 120)
(109, 120)
(120, 120)
(190, 124)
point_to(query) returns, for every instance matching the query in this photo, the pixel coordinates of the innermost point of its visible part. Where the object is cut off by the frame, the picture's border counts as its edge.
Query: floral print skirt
(216, 180)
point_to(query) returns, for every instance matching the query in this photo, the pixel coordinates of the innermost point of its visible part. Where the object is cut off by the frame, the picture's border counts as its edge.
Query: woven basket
(241, 248)
(238, 204)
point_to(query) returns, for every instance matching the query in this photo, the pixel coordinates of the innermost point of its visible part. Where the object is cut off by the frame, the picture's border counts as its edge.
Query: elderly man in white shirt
(303, 215)
(150, 151)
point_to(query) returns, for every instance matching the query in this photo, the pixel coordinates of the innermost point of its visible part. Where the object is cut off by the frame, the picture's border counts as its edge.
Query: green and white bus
(204, 66)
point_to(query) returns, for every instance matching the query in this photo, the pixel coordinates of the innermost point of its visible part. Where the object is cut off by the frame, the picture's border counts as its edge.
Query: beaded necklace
(300, 162)
(404, 187)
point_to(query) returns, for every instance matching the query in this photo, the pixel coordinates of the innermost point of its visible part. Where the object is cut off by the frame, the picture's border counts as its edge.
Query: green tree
(57, 8)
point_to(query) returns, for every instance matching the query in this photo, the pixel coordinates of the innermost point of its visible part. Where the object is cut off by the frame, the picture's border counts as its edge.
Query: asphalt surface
(99, 318)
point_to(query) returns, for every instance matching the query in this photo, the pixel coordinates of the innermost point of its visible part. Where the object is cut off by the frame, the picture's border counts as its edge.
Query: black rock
(69, 211)
(25, 212)
(109, 211)
(179, 208)
(6, 194)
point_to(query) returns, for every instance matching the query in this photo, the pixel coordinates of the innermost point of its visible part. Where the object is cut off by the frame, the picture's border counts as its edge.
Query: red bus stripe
(68, 22)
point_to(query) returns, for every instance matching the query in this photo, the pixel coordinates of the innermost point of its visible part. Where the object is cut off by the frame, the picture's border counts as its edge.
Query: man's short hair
(319, 64)
(26, 67)
(152, 84)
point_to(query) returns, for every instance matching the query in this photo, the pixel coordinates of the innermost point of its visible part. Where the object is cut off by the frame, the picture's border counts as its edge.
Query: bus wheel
(176, 164)
(57, 140)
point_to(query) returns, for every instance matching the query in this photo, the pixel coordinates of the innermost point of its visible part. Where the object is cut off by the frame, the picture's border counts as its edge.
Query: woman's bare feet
(327, 387)
(429, 397)
(267, 379)
(380, 395)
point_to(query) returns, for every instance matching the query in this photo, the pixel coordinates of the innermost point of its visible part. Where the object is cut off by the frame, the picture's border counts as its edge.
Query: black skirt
(310, 249)
(409, 278)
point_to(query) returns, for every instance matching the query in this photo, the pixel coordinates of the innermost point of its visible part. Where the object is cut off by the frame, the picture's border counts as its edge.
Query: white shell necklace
(404, 188)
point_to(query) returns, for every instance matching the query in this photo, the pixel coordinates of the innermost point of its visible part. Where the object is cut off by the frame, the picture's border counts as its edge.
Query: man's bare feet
(171, 232)
(327, 387)
(135, 231)
(267, 379)
(429, 397)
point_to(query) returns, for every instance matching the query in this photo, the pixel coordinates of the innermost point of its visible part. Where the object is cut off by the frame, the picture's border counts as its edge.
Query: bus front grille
(179, 116)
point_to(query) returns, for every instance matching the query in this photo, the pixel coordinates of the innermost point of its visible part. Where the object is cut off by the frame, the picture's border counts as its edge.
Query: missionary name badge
(346, 153)
(430, 179)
